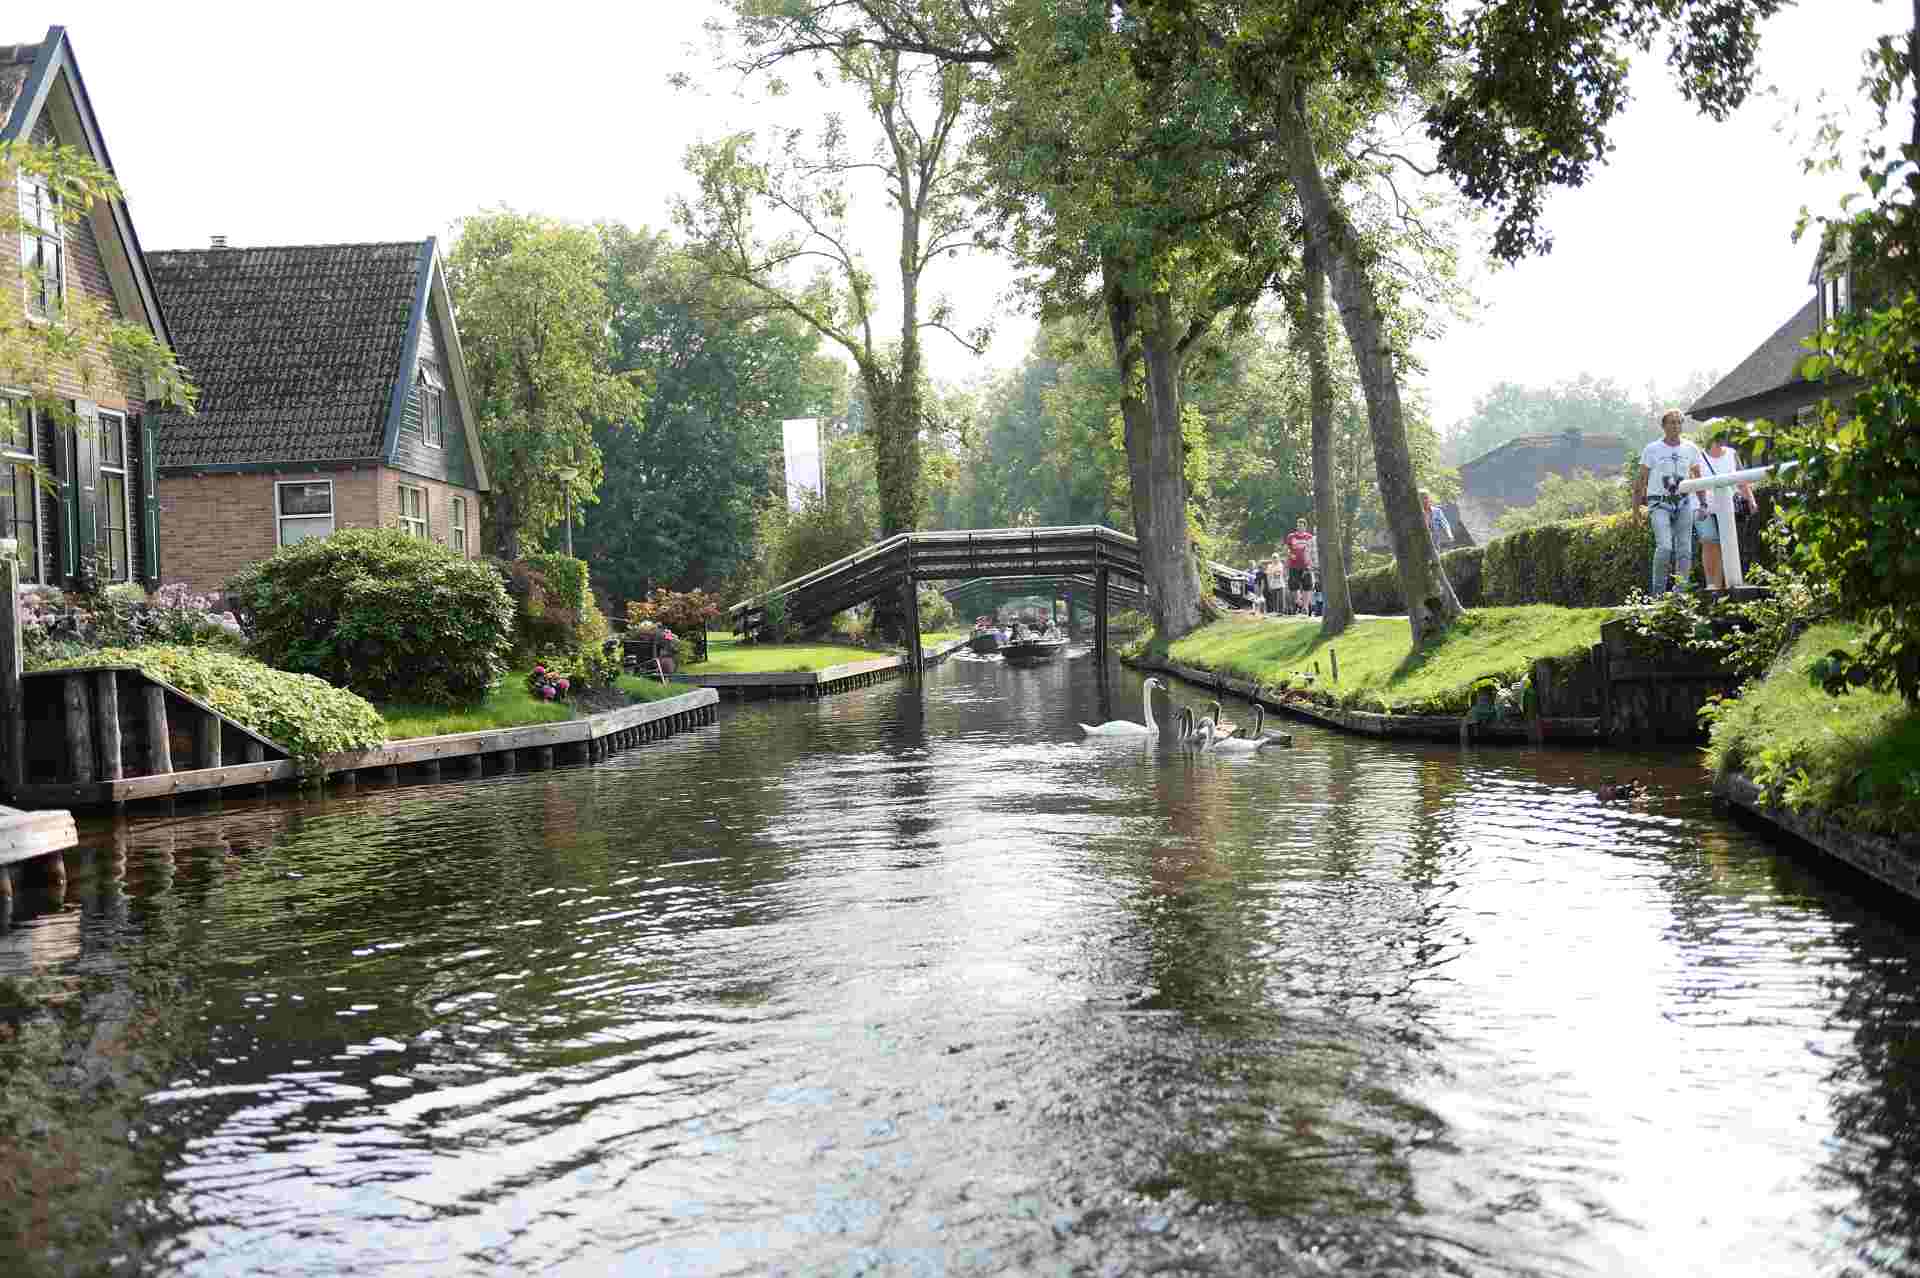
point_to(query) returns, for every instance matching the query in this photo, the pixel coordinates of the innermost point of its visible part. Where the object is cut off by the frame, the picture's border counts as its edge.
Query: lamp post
(567, 475)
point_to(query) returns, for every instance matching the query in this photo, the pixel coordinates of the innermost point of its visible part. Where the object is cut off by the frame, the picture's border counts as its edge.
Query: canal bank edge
(1419, 727)
(1893, 861)
(814, 683)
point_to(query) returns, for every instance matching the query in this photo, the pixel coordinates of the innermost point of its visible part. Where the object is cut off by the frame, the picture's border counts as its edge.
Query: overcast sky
(278, 125)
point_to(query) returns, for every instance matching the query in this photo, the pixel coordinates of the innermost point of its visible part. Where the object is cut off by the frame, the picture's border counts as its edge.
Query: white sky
(276, 125)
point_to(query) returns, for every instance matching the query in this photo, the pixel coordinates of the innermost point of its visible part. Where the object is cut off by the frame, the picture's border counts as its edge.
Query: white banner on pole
(801, 438)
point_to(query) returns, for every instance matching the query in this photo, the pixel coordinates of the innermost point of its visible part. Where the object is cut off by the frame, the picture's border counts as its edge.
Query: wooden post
(432, 767)
(159, 733)
(106, 702)
(508, 760)
(13, 708)
(913, 623)
(207, 740)
(1333, 659)
(545, 756)
(254, 752)
(79, 728)
(1100, 614)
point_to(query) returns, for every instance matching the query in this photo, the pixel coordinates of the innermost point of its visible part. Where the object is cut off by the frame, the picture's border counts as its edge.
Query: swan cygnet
(1127, 727)
(1249, 745)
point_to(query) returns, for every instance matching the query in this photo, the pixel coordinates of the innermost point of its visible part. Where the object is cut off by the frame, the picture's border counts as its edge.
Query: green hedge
(391, 616)
(566, 578)
(307, 716)
(1376, 592)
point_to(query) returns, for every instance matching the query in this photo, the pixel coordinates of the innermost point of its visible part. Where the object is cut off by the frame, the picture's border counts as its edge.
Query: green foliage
(1581, 495)
(561, 676)
(388, 615)
(1583, 563)
(536, 328)
(1507, 410)
(936, 612)
(1745, 636)
(306, 716)
(566, 578)
(678, 499)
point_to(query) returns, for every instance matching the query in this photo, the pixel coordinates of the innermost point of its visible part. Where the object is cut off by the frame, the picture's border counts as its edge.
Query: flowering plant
(549, 684)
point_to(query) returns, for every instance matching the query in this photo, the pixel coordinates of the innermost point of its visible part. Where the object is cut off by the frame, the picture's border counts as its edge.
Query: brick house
(332, 395)
(98, 502)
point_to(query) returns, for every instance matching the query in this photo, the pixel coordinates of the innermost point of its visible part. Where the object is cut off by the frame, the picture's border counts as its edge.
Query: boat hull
(1032, 651)
(984, 642)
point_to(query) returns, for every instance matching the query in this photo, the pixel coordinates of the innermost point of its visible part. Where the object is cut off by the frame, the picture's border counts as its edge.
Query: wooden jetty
(817, 683)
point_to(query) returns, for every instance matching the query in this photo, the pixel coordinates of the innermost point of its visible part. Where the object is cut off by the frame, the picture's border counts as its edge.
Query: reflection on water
(877, 985)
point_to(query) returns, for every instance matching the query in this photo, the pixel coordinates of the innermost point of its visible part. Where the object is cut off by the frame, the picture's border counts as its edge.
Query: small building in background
(333, 394)
(98, 506)
(1768, 383)
(1509, 476)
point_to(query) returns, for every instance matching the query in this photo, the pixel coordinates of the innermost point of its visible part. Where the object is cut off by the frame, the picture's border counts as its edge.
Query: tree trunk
(1326, 501)
(1431, 602)
(506, 526)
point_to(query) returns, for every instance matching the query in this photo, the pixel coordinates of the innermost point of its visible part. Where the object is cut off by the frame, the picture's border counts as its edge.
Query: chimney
(219, 241)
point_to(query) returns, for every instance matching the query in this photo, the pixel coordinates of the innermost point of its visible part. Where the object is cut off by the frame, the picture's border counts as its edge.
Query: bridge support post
(913, 625)
(1100, 614)
(1069, 625)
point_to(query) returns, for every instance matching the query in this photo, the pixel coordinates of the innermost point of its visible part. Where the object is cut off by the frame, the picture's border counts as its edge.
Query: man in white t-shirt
(1663, 464)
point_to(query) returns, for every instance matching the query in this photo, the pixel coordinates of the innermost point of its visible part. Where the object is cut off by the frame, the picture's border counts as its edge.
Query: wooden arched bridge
(1108, 562)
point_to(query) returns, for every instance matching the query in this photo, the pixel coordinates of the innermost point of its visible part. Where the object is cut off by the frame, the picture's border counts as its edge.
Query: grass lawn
(1856, 758)
(1376, 671)
(727, 655)
(929, 638)
(508, 706)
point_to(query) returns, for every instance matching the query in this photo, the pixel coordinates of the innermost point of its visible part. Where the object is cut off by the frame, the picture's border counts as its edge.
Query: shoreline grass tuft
(1855, 758)
(1377, 672)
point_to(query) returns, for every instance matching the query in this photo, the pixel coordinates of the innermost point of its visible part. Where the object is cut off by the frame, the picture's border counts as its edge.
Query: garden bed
(511, 705)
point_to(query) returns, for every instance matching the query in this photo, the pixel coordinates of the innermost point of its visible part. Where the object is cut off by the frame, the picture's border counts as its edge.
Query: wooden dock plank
(26, 835)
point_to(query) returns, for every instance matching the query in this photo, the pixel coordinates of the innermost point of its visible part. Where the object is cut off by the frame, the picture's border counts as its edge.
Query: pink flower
(547, 692)
(564, 685)
(539, 670)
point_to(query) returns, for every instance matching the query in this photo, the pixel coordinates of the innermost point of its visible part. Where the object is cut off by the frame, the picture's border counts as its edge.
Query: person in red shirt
(1303, 554)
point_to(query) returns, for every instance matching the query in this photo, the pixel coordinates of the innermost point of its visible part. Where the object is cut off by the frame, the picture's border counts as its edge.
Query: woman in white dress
(1715, 523)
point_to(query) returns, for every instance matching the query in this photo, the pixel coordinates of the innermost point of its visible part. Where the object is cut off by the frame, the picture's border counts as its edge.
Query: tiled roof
(1528, 442)
(16, 66)
(295, 350)
(1770, 367)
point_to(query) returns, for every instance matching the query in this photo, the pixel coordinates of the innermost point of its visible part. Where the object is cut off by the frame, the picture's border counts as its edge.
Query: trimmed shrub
(1377, 591)
(1582, 563)
(305, 715)
(566, 579)
(391, 616)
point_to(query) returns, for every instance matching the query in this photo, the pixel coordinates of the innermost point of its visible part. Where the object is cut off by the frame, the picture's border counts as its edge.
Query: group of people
(1289, 582)
(1677, 517)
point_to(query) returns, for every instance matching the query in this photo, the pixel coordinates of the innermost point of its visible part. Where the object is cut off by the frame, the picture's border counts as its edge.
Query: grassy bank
(727, 655)
(1856, 757)
(508, 706)
(1376, 671)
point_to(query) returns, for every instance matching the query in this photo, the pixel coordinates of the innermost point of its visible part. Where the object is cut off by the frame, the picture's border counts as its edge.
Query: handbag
(1741, 506)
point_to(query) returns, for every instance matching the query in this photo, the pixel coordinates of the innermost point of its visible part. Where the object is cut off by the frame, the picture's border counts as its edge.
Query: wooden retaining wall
(468, 753)
(1893, 861)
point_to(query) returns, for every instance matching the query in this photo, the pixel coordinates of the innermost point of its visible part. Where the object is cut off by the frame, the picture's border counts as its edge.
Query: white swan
(1221, 728)
(1249, 745)
(1190, 732)
(1127, 727)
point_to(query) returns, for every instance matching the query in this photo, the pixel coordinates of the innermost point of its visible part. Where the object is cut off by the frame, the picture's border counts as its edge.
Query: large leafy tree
(677, 503)
(806, 184)
(536, 328)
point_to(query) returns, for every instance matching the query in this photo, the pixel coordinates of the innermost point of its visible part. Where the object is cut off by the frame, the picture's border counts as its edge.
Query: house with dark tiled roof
(1767, 383)
(1509, 475)
(79, 492)
(333, 394)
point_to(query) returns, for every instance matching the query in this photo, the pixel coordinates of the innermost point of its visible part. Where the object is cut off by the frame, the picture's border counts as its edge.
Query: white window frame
(280, 518)
(433, 411)
(457, 525)
(106, 419)
(11, 457)
(40, 222)
(421, 527)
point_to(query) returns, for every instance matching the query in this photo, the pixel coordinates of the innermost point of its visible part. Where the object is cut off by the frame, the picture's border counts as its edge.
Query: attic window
(433, 413)
(42, 247)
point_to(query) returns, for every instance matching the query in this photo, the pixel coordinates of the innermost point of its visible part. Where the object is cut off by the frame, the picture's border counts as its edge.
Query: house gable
(435, 363)
(46, 99)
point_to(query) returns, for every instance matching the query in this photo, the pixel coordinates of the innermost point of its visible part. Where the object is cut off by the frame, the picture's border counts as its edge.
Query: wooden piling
(253, 752)
(79, 728)
(159, 734)
(544, 756)
(206, 739)
(106, 702)
(13, 712)
(432, 769)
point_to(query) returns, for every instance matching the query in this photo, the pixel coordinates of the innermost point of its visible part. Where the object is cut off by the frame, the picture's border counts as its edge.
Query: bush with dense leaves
(1376, 592)
(677, 610)
(306, 716)
(393, 617)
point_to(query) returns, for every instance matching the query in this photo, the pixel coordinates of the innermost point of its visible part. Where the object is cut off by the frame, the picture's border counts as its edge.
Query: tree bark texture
(1326, 501)
(1431, 602)
(1145, 355)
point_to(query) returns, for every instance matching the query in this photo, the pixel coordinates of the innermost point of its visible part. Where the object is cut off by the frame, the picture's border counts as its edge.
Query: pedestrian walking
(1664, 464)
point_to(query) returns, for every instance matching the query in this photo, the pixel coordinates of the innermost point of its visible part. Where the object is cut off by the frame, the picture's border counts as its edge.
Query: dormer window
(1836, 296)
(43, 256)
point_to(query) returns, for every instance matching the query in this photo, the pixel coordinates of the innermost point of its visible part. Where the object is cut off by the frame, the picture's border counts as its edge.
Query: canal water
(877, 985)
